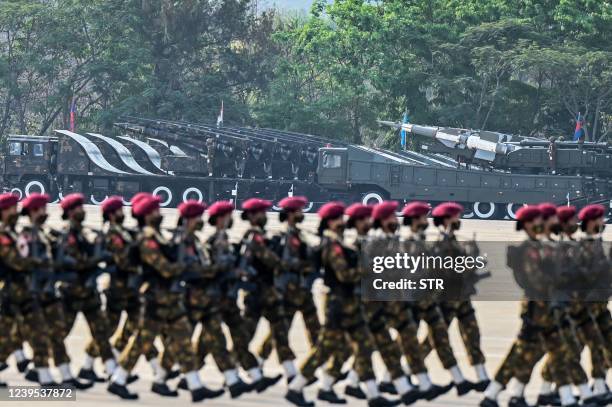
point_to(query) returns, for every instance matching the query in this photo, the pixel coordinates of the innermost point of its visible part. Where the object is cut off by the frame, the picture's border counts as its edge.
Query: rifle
(38, 274)
(245, 273)
(100, 254)
(286, 276)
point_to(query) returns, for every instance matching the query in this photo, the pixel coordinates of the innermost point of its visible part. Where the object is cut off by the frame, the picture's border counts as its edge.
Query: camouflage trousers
(377, 315)
(21, 320)
(464, 312)
(267, 303)
(174, 329)
(201, 308)
(230, 314)
(539, 334)
(297, 300)
(580, 329)
(437, 338)
(603, 319)
(344, 318)
(401, 318)
(90, 307)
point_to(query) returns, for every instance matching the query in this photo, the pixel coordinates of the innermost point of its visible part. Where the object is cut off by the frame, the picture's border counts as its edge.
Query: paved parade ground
(499, 324)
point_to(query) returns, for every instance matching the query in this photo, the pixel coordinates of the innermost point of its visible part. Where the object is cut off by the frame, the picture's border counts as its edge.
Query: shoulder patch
(258, 238)
(5, 240)
(295, 241)
(117, 241)
(337, 249)
(71, 240)
(152, 244)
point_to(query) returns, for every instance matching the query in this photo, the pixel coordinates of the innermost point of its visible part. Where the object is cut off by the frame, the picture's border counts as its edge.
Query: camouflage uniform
(165, 313)
(343, 311)
(20, 305)
(76, 259)
(265, 300)
(289, 245)
(220, 246)
(203, 297)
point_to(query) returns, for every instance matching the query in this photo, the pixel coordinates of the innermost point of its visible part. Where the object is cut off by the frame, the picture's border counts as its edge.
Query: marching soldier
(78, 261)
(446, 217)
(260, 263)
(203, 294)
(567, 313)
(597, 269)
(528, 262)
(295, 281)
(343, 310)
(426, 309)
(222, 255)
(165, 312)
(19, 304)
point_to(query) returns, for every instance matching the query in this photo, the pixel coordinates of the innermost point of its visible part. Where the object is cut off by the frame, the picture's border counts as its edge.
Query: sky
(288, 4)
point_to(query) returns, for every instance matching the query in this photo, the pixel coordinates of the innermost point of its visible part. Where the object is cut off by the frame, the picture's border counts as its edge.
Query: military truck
(181, 161)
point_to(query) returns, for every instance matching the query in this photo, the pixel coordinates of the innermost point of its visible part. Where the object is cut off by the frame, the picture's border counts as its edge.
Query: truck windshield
(332, 160)
(15, 148)
(38, 150)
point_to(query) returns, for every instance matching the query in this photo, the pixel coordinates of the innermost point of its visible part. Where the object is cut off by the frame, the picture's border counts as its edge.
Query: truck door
(332, 166)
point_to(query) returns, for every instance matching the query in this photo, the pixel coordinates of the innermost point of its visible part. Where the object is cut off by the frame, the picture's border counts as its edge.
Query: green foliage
(518, 66)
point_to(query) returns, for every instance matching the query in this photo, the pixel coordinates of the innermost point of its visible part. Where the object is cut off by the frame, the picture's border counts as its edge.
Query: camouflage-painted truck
(180, 161)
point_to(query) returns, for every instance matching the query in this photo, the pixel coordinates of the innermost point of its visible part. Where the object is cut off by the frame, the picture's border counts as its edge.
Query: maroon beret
(358, 210)
(191, 208)
(72, 201)
(220, 208)
(528, 213)
(35, 201)
(256, 205)
(139, 196)
(384, 209)
(416, 209)
(591, 212)
(111, 204)
(565, 213)
(7, 200)
(447, 209)
(146, 205)
(547, 210)
(331, 210)
(293, 203)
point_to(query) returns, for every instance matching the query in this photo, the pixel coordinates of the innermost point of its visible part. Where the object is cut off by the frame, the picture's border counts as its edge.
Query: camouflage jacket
(156, 256)
(76, 260)
(256, 253)
(341, 265)
(123, 247)
(295, 256)
(14, 268)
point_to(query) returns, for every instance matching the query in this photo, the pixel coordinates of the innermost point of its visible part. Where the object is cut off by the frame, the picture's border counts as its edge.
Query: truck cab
(332, 167)
(25, 158)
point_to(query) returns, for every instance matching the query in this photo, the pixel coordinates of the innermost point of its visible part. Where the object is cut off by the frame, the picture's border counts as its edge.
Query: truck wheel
(163, 192)
(193, 191)
(18, 192)
(94, 200)
(34, 186)
(370, 198)
(511, 209)
(484, 210)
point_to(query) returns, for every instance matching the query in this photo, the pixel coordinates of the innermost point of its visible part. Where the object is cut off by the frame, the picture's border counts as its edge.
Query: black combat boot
(132, 378)
(487, 402)
(32, 375)
(182, 384)
(380, 401)
(3, 366)
(90, 375)
(355, 391)
(518, 402)
(121, 391)
(297, 398)
(550, 399)
(330, 396)
(464, 387)
(481, 385)
(342, 376)
(205, 393)
(410, 397)
(387, 387)
(173, 374)
(262, 384)
(435, 391)
(23, 365)
(239, 388)
(594, 401)
(163, 390)
(76, 384)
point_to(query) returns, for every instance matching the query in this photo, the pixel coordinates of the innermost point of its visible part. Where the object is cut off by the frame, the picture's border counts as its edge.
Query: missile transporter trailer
(492, 176)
